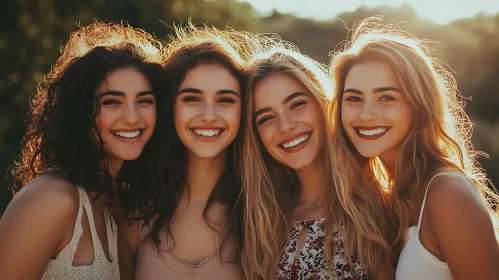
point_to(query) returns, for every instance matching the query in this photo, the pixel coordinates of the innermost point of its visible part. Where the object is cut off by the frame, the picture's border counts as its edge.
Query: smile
(207, 132)
(371, 133)
(128, 134)
(296, 143)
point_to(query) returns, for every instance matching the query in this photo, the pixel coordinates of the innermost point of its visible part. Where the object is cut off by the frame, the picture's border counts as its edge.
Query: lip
(370, 137)
(206, 138)
(298, 147)
(129, 140)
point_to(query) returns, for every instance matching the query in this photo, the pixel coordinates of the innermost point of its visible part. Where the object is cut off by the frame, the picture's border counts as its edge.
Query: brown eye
(264, 119)
(227, 100)
(190, 99)
(353, 99)
(297, 104)
(110, 102)
(387, 98)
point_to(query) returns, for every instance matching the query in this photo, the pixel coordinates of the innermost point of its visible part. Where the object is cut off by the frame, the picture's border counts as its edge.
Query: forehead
(274, 88)
(210, 76)
(128, 79)
(370, 74)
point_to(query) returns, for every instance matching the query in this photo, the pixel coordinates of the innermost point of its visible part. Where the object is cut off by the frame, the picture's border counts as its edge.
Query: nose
(286, 124)
(368, 113)
(131, 114)
(208, 114)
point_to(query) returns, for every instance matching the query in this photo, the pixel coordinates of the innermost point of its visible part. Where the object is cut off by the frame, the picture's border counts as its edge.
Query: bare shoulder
(452, 191)
(454, 204)
(42, 216)
(49, 187)
(48, 197)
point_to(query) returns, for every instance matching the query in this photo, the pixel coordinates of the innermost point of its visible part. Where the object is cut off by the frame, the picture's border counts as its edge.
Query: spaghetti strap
(77, 231)
(101, 268)
(426, 192)
(90, 216)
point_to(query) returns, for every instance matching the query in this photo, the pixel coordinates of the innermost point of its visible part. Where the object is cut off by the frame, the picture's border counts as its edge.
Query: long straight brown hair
(270, 188)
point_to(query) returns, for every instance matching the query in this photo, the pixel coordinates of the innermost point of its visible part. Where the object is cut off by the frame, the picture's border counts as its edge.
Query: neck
(113, 166)
(389, 160)
(312, 182)
(203, 174)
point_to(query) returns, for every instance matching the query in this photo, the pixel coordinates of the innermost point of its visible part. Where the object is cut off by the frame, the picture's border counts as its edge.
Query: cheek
(232, 117)
(179, 116)
(406, 118)
(347, 115)
(149, 115)
(265, 134)
(105, 119)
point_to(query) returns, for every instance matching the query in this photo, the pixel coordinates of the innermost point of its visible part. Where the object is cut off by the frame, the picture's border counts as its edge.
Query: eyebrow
(198, 91)
(376, 90)
(286, 100)
(122, 94)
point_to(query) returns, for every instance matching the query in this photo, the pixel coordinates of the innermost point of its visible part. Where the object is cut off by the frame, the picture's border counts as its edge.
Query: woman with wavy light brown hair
(401, 117)
(93, 113)
(302, 220)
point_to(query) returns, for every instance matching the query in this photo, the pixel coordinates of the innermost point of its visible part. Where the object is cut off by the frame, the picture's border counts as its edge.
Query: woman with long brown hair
(192, 227)
(401, 117)
(302, 219)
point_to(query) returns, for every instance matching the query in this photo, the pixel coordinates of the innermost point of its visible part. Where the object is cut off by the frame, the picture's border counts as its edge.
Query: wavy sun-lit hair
(270, 188)
(62, 113)
(440, 135)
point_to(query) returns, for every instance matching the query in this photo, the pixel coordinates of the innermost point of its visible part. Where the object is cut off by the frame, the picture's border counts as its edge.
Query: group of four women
(229, 155)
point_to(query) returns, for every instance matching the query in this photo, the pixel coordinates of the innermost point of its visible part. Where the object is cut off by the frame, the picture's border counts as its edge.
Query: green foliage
(32, 33)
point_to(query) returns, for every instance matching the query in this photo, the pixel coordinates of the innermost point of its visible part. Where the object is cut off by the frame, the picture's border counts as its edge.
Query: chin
(128, 156)
(206, 154)
(368, 153)
(297, 165)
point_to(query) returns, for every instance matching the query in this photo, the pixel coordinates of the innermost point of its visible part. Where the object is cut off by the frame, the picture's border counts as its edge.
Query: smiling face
(207, 110)
(288, 120)
(375, 113)
(127, 113)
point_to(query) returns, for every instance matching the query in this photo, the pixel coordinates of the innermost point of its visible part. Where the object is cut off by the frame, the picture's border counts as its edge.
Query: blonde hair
(441, 131)
(267, 184)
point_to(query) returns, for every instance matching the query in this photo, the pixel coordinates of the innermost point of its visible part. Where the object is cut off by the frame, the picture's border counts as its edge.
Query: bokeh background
(32, 33)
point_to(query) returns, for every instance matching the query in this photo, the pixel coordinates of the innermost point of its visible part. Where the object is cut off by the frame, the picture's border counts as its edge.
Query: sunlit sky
(439, 11)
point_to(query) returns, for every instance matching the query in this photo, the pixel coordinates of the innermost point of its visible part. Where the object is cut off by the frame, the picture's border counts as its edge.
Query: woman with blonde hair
(401, 117)
(192, 226)
(302, 220)
(93, 113)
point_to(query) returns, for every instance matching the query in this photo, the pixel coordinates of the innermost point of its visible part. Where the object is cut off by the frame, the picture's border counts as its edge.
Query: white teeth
(127, 134)
(295, 142)
(207, 132)
(372, 131)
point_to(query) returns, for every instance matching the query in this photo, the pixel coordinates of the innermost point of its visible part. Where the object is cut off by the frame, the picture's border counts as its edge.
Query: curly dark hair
(63, 111)
(191, 47)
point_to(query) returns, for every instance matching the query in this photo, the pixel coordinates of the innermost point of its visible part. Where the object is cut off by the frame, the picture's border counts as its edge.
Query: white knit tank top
(101, 268)
(415, 262)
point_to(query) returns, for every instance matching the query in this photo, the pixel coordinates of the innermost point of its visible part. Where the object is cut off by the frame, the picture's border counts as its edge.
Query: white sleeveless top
(101, 268)
(415, 262)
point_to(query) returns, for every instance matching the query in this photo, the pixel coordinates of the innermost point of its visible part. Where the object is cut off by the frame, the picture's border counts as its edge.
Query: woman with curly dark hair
(95, 110)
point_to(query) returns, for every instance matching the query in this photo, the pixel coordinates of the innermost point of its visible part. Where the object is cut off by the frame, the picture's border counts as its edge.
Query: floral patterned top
(310, 264)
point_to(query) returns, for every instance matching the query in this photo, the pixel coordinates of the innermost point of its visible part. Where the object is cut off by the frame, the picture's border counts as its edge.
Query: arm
(128, 247)
(35, 227)
(462, 227)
